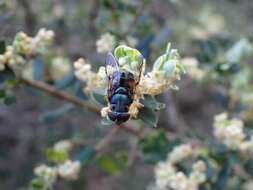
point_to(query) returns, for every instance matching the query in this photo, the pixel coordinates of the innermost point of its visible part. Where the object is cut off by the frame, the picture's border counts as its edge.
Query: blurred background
(203, 31)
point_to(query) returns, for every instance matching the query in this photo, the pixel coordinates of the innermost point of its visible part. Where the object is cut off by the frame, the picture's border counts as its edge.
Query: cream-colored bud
(180, 152)
(79, 63)
(2, 59)
(63, 146)
(104, 111)
(106, 43)
(69, 170)
(2, 66)
(199, 166)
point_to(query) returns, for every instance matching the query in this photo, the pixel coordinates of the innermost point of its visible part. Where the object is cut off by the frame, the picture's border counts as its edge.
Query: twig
(70, 98)
(62, 95)
(93, 108)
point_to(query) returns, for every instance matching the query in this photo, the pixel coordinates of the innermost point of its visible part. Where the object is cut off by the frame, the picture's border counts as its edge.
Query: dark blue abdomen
(120, 102)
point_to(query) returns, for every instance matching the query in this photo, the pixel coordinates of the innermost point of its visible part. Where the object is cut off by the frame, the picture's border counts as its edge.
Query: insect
(121, 90)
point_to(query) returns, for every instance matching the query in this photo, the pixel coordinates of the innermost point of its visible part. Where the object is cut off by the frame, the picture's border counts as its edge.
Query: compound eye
(126, 108)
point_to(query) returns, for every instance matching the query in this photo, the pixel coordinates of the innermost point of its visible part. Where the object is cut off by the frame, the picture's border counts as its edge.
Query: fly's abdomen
(120, 103)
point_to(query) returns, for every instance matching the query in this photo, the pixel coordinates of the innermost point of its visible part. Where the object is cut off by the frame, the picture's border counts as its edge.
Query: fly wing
(111, 64)
(113, 74)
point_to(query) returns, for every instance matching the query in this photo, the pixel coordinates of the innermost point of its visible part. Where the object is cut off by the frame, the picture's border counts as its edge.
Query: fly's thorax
(122, 78)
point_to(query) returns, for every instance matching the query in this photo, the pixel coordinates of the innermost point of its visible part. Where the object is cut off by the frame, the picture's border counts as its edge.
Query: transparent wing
(111, 64)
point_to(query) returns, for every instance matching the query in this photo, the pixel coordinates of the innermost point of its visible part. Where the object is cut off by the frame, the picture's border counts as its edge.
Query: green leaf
(155, 147)
(2, 43)
(240, 49)
(86, 155)
(2, 93)
(56, 156)
(77, 88)
(222, 177)
(150, 102)
(249, 166)
(65, 81)
(37, 184)
(181, 68)
(11, 83)
(5, 75)
(98, 95)
(10, 100)
(122, 160)
(169, 68)
(55, 115)
(148, 116)
(107, 163)
(38, 69)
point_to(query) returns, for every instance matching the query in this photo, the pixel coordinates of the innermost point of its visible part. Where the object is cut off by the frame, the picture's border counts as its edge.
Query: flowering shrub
(190, 125)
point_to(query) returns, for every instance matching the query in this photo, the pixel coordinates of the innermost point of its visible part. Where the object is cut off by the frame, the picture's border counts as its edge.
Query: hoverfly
(121, 89)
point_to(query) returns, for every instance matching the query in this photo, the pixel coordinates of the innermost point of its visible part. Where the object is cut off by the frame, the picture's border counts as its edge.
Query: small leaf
(77, 88)
(54, 115)
(2, 43)
(7, 74)
(148, 116)
(169, 68)
(98, 95)
(2, 93)
(122, 160)
(240, 49)
(222, 177)
(11, 83)
(9, 100)
(56, 156)
(150, 102)
(107, 163)
(37, 184)
(86, 155)
(155, 147)
(181, 68)
(65, 81)
(38, 68)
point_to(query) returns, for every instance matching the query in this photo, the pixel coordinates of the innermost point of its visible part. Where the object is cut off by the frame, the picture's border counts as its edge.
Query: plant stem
(70, 98)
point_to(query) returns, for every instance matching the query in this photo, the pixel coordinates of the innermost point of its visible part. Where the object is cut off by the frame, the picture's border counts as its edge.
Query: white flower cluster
(9, 57)
(59, 67)
(180, 152)
(106, 43)
(230, 132)
(168, 177)
(63, 146)
(165, 71)
(46, 173)
(191, 65)
(25, 46)
(68, 170)
(93, 80)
